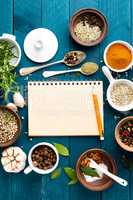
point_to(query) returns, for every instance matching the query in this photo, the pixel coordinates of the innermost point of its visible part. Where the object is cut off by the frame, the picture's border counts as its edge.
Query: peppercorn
(43, 157)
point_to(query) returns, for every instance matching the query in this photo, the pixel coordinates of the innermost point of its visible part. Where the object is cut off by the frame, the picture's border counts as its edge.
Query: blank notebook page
(63, 108)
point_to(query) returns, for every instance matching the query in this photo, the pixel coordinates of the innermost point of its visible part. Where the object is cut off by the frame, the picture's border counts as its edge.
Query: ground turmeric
(119, 56)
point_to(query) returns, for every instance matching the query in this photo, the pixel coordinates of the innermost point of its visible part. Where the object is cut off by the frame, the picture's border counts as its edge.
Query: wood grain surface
(21, 16)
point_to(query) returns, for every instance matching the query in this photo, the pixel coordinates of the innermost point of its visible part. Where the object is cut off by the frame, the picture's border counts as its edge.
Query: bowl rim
(102, 17)
(84, 183)
(128, 45)
(108, 94)
(17, 134)
(117, 138)
(38, 170)
(16, 46)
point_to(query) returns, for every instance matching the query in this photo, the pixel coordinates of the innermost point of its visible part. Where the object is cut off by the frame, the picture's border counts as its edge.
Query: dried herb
(71, 173)
(127, 162)
(62, 150)
(56, 173)
(7, 77)
(89, 171)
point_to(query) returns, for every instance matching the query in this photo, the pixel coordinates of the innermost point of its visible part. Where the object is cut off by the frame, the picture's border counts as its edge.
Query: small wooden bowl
(77, 17)
(10, 142)
(117, 136)
(103, 183)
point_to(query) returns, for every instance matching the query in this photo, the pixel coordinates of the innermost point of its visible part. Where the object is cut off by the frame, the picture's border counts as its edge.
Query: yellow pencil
(98, 116)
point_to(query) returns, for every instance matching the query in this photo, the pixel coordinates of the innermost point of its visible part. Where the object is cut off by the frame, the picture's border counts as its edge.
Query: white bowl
(37, 170)
(113, 81)
(12, 40)
(123, 43)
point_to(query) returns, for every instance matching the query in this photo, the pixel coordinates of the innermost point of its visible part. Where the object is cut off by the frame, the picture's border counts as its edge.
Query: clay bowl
(76, 18)
(103, 183)
(10, 142)
(117, 136)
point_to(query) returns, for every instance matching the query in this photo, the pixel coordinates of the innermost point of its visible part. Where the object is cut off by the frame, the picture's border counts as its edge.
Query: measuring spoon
(70, 59)
(87, 69)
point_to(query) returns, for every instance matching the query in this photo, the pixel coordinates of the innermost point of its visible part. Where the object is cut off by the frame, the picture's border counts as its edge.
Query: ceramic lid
(40, 45)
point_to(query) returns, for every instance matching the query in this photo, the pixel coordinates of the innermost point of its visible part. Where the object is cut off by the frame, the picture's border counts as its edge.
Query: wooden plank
(119, 29)
(80, 144)
(27, 16)
(55, 16)
(6, 16)
(6, 26)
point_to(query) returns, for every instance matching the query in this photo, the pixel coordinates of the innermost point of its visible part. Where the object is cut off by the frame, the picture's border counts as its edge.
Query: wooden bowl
(77, 17)
(10, 142)
(103, 183)
(117, 136)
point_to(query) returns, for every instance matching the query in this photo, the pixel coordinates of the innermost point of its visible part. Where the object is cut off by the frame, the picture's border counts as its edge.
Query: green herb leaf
(127, 162)
(89, 171)
(71, 173)
(7, 75)
(56, 173)
(72, 182)
(62, 150)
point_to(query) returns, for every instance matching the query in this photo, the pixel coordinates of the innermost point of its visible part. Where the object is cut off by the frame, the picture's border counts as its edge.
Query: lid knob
(38, 44)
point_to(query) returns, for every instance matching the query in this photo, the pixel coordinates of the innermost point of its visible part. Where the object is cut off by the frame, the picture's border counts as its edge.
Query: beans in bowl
(43, 157)
(8, 125)
(126, 133)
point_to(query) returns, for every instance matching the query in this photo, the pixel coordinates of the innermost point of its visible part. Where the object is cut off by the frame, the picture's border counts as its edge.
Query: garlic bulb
(18, 99)
(13, 159)
(12, 106)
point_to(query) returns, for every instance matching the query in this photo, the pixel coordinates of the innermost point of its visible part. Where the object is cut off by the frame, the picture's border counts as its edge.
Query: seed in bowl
(8, 126)
(90, 174)
(126, 133)
(43, 157)
(121, 94)
(88, 29)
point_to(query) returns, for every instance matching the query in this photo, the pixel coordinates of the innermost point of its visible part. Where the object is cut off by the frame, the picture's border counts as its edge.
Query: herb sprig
(7, 76)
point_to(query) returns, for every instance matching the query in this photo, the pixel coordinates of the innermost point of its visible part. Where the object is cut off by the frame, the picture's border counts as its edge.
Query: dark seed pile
(96, 156)
(92, 19)
(72, 58)
(126, 133)
(43, 157)
(8, 126)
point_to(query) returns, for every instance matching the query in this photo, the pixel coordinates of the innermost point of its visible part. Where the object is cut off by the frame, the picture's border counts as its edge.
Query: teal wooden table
(18, 17)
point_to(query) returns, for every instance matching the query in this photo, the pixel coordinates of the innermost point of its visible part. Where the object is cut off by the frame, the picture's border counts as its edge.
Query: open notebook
(63, 108)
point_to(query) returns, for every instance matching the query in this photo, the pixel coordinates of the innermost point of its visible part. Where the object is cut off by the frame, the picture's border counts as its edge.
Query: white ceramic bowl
(37, 170)
(12, 40)
(118, 42)
(113, 81)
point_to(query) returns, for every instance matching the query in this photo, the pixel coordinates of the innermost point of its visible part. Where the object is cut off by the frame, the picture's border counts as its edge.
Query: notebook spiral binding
(45, 83)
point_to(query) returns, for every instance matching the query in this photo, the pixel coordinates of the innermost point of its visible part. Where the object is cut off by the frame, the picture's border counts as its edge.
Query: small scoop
(117, 179)
(70, 59)
(87, 69)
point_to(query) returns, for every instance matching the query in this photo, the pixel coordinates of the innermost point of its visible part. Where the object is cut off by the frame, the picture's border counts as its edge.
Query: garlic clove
(17, 151)
(18, 99)
(12, 106)
(8, 167)
(13, 165)
(5, 160)
(10, 151)
(4, 153)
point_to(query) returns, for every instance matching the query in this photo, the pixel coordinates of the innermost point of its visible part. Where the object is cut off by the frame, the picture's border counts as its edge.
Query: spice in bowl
(121, 94)
(88, 29)
(119, 56)
(126, 133)
(89, 173)
(9, 127)
(43, 157)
